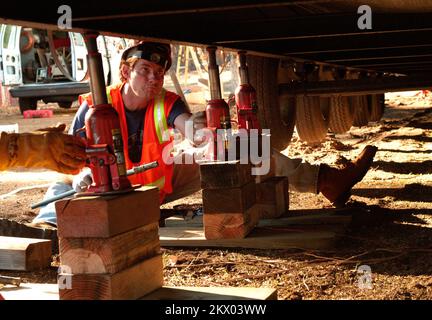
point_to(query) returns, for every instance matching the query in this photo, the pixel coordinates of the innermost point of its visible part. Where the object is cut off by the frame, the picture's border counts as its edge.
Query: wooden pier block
(230, 225)
(229, 200)
(107, 216)
(224, 174)
(24, 253)
(273, 197)
(131, 283)
(109, 255)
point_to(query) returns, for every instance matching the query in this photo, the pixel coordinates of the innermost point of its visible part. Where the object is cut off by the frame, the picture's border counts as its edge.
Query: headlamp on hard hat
(158, 53)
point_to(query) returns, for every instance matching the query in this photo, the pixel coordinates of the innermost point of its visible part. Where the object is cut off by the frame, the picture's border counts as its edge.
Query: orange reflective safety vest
(157, 140)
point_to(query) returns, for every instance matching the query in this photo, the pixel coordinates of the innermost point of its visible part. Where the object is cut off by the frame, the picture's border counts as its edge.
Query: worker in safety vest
(147, 112)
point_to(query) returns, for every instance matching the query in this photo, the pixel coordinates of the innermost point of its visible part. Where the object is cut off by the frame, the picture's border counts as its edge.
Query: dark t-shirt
(135, 121)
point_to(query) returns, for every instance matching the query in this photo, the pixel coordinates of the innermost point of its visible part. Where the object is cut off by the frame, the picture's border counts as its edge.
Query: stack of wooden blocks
(109, 246)
(233, 201)
(229, 198)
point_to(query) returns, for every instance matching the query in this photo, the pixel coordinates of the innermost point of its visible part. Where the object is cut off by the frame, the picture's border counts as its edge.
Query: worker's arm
(180, 115)
(49, 149)
(197, 121)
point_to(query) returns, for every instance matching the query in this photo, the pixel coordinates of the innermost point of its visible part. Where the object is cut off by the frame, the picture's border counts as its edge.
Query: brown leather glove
(48, 148)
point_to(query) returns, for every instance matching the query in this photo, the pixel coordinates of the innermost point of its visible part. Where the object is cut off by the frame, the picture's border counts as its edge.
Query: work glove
(83, 180)
(47, 148)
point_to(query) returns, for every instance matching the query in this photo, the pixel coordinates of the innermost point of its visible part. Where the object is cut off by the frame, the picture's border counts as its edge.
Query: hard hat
(156, 52)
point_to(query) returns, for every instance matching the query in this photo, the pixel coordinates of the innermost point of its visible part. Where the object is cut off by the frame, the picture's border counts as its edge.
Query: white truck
(40, 64)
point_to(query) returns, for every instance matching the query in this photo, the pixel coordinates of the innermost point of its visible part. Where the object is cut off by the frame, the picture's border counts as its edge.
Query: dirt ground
(396, 244)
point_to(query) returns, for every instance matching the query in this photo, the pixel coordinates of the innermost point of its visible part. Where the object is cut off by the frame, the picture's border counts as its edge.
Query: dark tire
(310, 122)
(64, 104)
(361, 111)
(377, 106)
(341, 115)
(27, 104)
(274, 113)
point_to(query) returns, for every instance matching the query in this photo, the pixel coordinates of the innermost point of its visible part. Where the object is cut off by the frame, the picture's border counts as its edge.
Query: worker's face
(146, 79)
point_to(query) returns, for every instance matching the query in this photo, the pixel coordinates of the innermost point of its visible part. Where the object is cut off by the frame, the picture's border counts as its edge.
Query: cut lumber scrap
(24, 254)
(107, 216)
(109, 255)
(230, 225)
(224, 174)
(37, 291)
(259, 238)
(229, 200)
(272, 196)
(10, 228)
(212, 293)
(131, 283)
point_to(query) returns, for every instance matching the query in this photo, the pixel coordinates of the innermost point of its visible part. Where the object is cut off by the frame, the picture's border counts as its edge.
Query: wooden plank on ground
(311, 219)
(24, 254)
(179, 221)
(109, 255)
(37, 291)
(107, 216)
(31, 291)
(131, 283)
(212, 293)
(293, 217)
(259, 238)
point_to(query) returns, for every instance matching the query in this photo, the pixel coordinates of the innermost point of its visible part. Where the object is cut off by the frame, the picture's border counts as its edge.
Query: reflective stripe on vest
(108, 93)
(160, 183)
(160, 119)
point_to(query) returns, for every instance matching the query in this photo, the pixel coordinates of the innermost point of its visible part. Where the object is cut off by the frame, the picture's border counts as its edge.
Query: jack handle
(134, 170)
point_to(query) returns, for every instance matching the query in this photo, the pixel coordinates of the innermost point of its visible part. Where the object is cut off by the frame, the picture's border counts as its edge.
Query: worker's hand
(199, 120)
(48, 148)
(82, 180)
(199, 125)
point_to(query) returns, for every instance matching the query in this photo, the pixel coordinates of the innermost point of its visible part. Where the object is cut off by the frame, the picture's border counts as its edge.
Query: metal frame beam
(356, 87)
(361, 55)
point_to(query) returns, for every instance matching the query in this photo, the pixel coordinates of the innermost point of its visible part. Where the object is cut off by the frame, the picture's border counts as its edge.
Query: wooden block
(24, 253)
(107, 216)
(230, 225)
(224, 174)
(131, 283)
(273, 197)
(229, 200)
(111, 255)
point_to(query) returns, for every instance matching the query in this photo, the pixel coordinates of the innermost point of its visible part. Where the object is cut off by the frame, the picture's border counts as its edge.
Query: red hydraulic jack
(217, 110)
(105, 155)
(245, 98)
